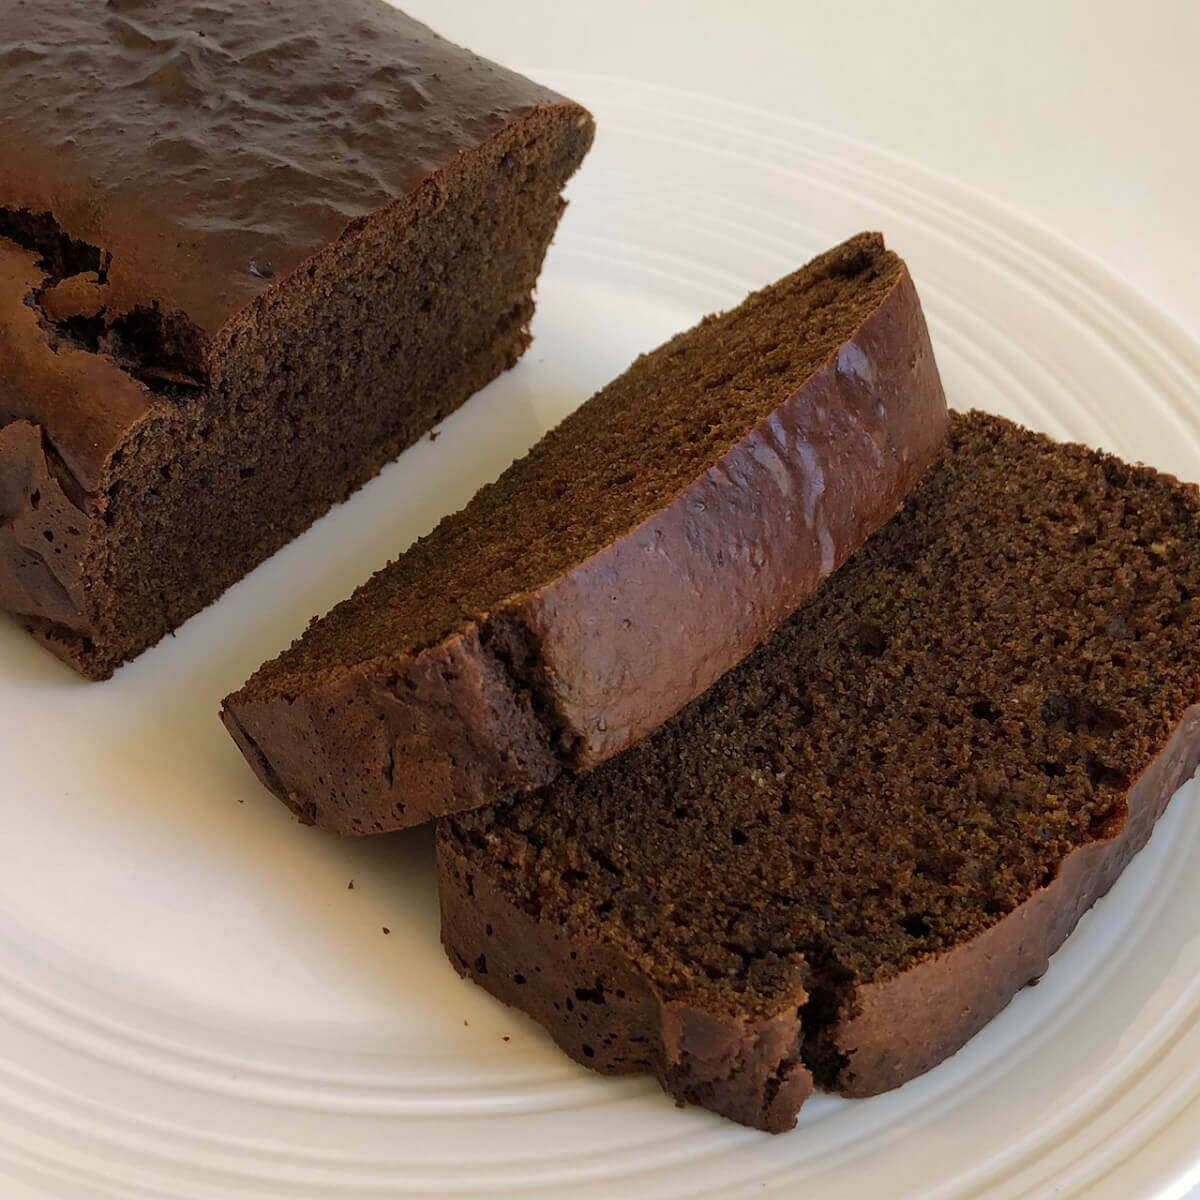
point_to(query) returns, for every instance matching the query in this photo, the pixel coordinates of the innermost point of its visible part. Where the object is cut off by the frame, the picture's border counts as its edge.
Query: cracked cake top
(200, 150)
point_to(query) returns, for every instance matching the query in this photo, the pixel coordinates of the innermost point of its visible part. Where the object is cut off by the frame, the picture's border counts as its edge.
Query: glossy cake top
(195, 150)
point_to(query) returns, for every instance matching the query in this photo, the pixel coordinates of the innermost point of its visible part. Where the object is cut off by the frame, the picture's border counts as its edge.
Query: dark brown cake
(640, 550)
(248, 253)
(847, 856)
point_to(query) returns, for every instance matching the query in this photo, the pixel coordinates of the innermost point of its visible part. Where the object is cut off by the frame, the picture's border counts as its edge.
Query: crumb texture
(910, 758)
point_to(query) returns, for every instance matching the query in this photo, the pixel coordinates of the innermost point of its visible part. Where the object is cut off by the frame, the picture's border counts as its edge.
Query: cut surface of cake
(847, 856)
(639, 550)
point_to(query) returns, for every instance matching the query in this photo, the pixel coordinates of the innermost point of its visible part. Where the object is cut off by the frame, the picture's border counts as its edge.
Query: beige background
(1081, 113)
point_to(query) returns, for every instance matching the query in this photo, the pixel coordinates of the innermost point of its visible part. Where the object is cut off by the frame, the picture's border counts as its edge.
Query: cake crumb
(350, 886)
(506, 1038)
(386, 929)
(1033, 720)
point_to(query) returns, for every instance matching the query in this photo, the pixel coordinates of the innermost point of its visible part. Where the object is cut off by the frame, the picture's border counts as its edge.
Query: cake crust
(207, 153)
(605, 1011)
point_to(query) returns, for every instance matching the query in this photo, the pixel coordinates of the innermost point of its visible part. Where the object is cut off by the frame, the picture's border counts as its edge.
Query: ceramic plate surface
(193, 1002)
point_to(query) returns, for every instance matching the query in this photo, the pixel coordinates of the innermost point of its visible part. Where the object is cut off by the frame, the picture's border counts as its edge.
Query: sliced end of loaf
(313, 389)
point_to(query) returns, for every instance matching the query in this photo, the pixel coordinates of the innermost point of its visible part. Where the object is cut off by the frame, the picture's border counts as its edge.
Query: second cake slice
(640, 550)
(845, 858)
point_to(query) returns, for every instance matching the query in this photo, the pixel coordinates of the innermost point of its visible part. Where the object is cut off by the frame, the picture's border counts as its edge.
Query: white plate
(193, 1003)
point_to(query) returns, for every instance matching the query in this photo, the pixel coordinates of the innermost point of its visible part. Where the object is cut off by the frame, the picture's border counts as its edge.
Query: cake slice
(637, 552)
(846, 857)
(248, 253)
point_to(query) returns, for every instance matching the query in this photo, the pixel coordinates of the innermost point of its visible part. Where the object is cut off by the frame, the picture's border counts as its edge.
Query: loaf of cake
(847, 856)
(639, 550)
(248, 253)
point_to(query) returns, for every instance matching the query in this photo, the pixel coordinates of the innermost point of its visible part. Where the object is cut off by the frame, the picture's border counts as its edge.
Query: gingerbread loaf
(639, 550)
(247, 255)
(845, 858)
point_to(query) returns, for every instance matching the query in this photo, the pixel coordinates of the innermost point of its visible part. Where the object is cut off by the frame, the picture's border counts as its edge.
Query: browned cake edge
(604, 1011)
(897, 1029)
(752, 1072)
(573, 672)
